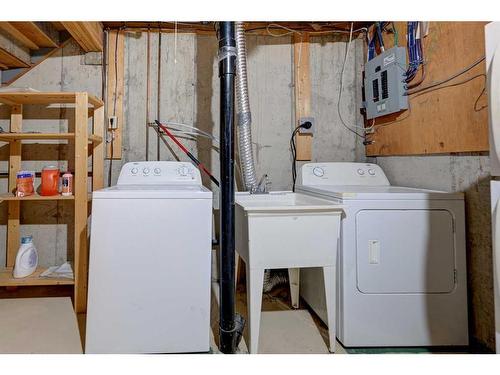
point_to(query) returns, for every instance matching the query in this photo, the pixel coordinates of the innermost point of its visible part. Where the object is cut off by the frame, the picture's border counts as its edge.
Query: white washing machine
(149, 270)
(402, 263)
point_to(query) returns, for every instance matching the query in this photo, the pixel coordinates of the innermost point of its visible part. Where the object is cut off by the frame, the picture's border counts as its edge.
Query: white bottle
(26, 259)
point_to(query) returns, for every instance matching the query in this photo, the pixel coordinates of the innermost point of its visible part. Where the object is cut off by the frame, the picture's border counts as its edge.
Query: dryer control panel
(341, 173)
(159, 173)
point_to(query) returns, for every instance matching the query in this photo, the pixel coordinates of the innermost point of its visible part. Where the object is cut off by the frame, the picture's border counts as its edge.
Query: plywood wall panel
(450, 119)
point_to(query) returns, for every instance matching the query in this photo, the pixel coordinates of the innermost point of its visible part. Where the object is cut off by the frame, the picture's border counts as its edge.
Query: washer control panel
(159, 173)
(342, 173)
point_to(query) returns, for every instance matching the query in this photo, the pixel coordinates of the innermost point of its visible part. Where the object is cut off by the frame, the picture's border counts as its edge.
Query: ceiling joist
(37, 32)
(8, 60)
(10, 29)
(253, 27)
(89, 35)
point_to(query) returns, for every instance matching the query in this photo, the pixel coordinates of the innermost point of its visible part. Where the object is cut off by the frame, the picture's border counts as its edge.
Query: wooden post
(115, 78)
(98, 150)
(13, 219)
(302, 92)
(80, 191)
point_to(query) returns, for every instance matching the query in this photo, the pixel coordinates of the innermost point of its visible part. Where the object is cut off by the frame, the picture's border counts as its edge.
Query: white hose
(244, 114)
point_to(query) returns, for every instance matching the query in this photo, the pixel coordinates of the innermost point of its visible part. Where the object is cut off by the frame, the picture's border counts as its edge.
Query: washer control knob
(134, 170)
(184, 170)
(318, 172)
(371, 172)
(145, 171)
(361, 172)
(157, 171)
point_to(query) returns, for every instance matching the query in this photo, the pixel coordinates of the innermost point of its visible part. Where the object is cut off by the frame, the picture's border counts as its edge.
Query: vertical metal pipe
(158, 109)
(148, 91)
(227, 67)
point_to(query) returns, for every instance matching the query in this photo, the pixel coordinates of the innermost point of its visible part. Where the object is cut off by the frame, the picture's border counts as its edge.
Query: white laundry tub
(279, 229)
(286, 230)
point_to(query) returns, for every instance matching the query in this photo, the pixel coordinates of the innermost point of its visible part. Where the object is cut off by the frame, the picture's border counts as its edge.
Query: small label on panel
(374, 251)
(389, 59)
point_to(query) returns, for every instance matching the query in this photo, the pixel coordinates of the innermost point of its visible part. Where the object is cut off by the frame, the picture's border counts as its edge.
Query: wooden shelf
(6, 279)
(85, 106)
(15, 98)
(35, 197)
(10, 137)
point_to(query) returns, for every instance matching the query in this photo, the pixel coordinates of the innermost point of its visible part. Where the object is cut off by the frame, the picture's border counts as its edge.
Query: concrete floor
(308, 336)
(303, 325)
(278, 300)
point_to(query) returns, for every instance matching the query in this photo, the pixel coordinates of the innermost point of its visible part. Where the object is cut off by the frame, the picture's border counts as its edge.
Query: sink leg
(255, 281)
(294, 281)
(236, 269)
(330, 296)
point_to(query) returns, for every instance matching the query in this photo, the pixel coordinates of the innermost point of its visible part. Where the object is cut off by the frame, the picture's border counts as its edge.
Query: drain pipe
(227, 70)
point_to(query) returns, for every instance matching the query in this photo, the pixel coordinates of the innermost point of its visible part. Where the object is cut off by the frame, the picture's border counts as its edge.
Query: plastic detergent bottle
(26, 259)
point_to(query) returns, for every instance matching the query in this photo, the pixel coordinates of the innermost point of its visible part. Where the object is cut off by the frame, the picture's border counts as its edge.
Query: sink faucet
(263, 186)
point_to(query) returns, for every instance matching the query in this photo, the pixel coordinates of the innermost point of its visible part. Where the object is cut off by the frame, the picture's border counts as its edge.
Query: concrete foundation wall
(190, 94)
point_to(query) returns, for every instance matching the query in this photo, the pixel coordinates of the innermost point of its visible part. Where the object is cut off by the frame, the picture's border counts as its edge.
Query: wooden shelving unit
(34, 197)
(6, 279)
(85, 106)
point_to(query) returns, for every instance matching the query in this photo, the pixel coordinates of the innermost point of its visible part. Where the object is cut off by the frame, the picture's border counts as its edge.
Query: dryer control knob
(318, 172)
(157, 171)
(145, 171)
(134, 170)
(371, 172)
(361, 172)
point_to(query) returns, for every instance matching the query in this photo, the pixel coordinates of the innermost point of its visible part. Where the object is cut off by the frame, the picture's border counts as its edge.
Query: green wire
(396, 35)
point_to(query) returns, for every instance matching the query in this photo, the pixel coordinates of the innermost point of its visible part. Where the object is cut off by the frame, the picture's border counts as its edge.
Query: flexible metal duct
(244, 114)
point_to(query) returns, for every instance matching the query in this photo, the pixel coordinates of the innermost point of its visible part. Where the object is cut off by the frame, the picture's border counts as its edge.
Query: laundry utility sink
(278, 228)
(286, 230)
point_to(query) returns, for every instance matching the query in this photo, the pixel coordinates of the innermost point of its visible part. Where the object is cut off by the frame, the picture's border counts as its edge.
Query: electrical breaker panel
(385, 85)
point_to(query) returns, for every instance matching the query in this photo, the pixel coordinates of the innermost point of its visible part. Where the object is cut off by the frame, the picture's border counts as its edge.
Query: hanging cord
(415, 53)
(187, 152)
(378, 30)
(396, 34)
(293, 148)
(175, 43)
(342, 86)
(192, 133)
(110, 171)
(438, 83)
(271, 26)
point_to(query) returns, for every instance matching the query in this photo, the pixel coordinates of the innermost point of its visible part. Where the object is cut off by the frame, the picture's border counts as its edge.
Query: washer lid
(174, 191)
(377, 192)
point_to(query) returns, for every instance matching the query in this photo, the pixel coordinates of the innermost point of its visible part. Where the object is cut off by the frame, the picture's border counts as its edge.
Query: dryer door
(405, 251)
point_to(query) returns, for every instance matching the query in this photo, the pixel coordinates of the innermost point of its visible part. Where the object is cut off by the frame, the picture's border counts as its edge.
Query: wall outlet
(112, 122)
(305, 120)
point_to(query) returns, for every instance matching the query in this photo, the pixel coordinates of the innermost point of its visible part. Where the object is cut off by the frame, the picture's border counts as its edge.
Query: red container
(50, 181)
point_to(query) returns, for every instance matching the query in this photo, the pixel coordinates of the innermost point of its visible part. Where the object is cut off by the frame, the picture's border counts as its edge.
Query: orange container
(24, 183)
(50, 181)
